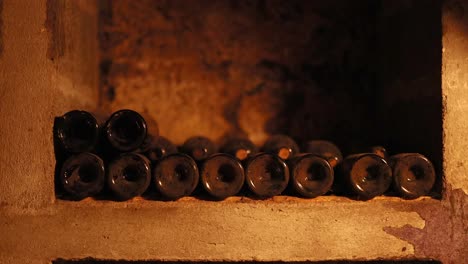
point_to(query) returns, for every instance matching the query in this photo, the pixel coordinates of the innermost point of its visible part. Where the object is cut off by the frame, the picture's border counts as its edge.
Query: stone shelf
(238, 228)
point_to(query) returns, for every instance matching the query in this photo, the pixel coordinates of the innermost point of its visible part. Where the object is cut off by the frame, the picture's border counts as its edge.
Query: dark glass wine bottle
(379, 151)
(77, 131)
(176, 175)
(82, 175)
(152, 134)
(129, 175)
(125, 130)
(413, 175)
(282, 146)
(364, 175)
(311, 175)
(241, 148)
(159, 148)
(222, 175)
(266, 175)
(325, 149)
(199, 148)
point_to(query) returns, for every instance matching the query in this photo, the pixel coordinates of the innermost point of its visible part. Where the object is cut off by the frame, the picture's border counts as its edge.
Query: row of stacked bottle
(125, 157)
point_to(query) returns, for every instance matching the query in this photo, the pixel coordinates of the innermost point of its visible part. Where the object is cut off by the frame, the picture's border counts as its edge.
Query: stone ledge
(238, 229)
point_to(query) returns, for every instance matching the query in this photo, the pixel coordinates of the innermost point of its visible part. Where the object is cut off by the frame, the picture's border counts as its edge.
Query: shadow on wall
(409, 114)
(305, 68)
(357, 73)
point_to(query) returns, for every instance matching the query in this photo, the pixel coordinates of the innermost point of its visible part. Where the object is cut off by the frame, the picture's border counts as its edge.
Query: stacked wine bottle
(124, 157)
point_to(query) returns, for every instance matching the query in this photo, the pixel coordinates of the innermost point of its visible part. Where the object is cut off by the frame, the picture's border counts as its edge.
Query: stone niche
(359, 73)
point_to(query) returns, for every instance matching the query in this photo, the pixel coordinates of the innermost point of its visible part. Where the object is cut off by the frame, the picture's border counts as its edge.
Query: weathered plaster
(445, 234)
(454, 90)
(283, 228)
(33, 90)
(36, 86)
(73, 48)
(252, 68)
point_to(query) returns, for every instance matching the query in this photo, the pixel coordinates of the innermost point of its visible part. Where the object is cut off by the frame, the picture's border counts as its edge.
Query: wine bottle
(241, 148)
(125, 130)
(129, 175)
(266, 175)
(311, 175)
(222, 175)
(379, 151)
(176, 175)
(325, 149)
(152, 134)
(199, 148)
(159, 148)
(76, 131)
(282, 146)
(364, 175)
(82, 175)
(413, 175)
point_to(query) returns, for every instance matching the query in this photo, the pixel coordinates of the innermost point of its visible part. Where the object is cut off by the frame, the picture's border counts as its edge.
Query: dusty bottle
(152, 135)
(159, 148)
(282, 146)
(311, 175)
(129, 175)
(379, 151)
(241, 148)
(199, 148)
(266, 175)
(325, 149)
(125, 130)
(413, 175)
(222, 175)
(76, 131)
(364, 175)
(82, 175)
(176, 175)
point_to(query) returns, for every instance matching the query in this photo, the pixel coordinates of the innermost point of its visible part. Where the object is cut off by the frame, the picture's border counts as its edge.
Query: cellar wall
(49, 49)
(346, 71)
(454, 94)
(251, 68)
(48, 65)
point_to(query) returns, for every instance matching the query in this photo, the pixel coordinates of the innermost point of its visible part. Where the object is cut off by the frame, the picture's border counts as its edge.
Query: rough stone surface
(48, 66)
(454, 87)
(242, 67)
(34, 88)
(445, 234)
(282, 228)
